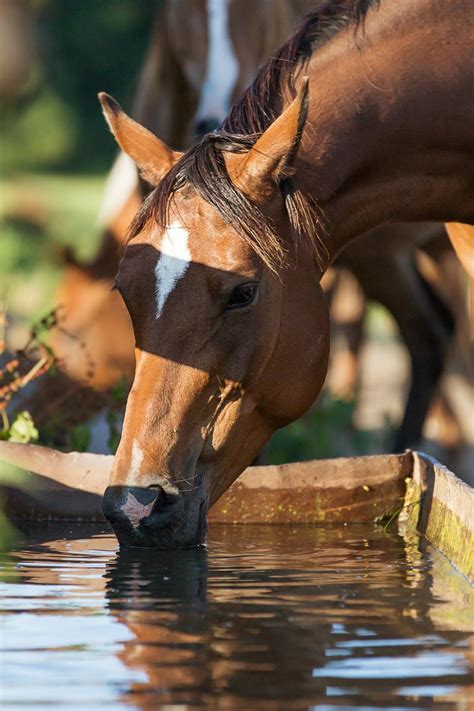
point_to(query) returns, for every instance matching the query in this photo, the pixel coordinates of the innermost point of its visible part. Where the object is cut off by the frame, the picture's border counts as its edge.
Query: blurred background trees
(55, 55)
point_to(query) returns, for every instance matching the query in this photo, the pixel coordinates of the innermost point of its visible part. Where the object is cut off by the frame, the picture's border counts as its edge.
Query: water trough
(429, 498)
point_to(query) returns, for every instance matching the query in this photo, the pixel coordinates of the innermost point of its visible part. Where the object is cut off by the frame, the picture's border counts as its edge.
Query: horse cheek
(298, 368)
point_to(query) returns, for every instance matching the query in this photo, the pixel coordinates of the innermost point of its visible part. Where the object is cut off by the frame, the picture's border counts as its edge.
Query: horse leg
(347, 306)
(427, 333)
(426, 326)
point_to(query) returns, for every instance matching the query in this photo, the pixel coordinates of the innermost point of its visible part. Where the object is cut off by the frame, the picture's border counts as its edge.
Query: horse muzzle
(152, 518)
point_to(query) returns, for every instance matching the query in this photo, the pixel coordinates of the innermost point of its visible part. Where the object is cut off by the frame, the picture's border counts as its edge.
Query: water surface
(271, 617)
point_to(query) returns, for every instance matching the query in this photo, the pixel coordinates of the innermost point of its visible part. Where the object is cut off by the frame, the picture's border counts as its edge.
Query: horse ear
(269, 160)
(152, 157)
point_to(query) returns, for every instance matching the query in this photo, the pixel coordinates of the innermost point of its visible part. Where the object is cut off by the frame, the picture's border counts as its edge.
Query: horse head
(231, 329)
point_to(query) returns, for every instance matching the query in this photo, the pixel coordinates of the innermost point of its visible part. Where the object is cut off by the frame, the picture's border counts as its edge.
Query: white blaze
(222, 68)
(172, 263)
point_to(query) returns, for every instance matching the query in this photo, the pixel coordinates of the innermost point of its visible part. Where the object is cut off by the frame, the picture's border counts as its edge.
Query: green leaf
(23, 429)
(80, 438)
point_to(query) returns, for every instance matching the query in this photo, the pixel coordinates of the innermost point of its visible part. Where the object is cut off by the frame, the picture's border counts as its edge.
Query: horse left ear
(152, 157)
(269, 161)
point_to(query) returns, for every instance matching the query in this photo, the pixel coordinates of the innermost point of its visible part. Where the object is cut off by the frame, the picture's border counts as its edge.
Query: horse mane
(203, 165)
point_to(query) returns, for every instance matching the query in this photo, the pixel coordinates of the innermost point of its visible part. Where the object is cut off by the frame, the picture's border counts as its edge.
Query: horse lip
(164, 536)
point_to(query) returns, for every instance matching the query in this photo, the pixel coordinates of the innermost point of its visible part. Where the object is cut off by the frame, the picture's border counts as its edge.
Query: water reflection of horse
(199, 625)
(199, 62)
(229, 318)
(206, 624)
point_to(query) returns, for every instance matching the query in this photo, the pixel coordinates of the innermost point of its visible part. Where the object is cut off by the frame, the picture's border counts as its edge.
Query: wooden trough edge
(344, 490)
(68, 487)
(58, 486)
(441, 508)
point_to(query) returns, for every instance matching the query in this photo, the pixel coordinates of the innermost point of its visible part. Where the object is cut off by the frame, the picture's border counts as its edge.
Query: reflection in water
(266, 616)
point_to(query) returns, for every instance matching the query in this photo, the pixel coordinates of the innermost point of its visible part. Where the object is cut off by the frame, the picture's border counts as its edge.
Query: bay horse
(198, 63)
(221, 274)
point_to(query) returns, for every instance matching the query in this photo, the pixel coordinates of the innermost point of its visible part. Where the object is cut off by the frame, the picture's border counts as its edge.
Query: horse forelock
(204, 168)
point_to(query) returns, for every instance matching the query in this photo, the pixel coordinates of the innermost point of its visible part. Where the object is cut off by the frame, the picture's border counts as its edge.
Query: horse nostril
(142, 495)
(138, 504)
(134, 504)
(206, 125)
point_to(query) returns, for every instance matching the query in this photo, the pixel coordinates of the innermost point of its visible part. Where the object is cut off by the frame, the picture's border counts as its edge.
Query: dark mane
(203, 165)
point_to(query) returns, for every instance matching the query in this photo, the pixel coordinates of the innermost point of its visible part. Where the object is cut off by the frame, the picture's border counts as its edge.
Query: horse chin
(187, 529)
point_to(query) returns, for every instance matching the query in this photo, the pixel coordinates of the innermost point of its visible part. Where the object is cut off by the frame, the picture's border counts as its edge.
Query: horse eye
(241, 296)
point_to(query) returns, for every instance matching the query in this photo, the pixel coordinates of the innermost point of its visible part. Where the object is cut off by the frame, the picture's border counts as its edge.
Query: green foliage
(80, 437)
(85, 46)
(326, 431)
(119, 391)
(22, 429)
(43, 134)
(114, 431)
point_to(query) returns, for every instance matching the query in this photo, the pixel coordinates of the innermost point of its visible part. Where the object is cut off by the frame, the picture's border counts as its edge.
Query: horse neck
(389, 123)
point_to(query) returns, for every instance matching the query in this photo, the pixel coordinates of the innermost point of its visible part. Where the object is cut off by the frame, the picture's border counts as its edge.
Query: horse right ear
(152, 157)
(270, 159)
